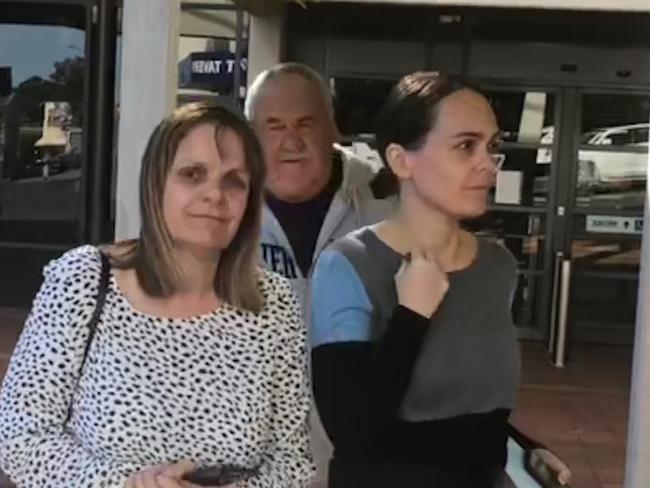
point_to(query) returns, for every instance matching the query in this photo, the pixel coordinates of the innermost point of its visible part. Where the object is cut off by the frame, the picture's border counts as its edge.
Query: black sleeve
(527, 443)
(359, 386)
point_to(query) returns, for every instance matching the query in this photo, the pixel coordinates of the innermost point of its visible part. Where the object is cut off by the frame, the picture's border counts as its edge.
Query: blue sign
(216, 70)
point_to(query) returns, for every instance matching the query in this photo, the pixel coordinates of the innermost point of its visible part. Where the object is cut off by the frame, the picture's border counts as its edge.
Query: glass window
(524, 178)
(603, 308)
(42, 116)
(613, 159)
(524, 117)
(526, 121)
(357, 102)
(607, 243)
(41, 127)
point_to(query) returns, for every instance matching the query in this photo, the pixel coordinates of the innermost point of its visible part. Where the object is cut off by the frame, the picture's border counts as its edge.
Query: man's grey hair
(255, 91)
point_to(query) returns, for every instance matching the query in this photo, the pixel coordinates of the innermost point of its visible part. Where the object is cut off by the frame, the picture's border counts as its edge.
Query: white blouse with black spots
(225, 388)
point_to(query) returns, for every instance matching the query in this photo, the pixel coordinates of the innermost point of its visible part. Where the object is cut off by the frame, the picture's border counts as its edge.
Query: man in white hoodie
(316, 190)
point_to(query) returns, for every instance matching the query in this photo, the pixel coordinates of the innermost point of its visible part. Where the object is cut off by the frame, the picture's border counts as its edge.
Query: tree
(69, 75)
(33, 92)
(65, 84)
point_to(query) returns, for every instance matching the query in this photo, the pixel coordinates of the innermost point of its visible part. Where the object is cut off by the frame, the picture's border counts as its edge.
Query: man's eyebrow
(307, 118)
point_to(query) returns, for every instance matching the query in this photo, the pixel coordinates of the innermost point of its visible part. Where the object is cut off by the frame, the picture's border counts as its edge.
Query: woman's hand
(555, 464)
(165, 476)
(421, 284)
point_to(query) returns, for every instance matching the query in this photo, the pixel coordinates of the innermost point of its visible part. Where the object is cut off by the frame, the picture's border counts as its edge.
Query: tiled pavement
(579, 412)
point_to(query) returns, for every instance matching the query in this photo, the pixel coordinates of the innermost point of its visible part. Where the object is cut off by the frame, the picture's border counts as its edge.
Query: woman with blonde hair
(149, 359)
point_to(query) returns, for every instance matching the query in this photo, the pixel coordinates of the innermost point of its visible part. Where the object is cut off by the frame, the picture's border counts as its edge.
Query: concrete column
(266, 42)
(637, 473)
(148, 84)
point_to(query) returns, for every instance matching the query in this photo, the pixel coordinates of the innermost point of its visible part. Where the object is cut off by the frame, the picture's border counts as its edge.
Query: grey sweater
(395, 387)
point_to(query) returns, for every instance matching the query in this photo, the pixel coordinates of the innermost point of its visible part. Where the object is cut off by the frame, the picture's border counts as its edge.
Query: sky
(32, 50)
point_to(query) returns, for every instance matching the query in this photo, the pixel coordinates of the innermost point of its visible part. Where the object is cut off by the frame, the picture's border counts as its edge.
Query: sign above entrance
(216, 69)
(612, 224)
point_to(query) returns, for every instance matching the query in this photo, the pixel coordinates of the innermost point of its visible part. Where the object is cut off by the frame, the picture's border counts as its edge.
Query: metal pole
(560, 347)
(556, 291)
(99, 182)
(637, 472)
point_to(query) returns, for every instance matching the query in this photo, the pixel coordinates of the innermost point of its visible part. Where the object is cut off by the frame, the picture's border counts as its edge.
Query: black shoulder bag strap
(99, 305)
(94, 319)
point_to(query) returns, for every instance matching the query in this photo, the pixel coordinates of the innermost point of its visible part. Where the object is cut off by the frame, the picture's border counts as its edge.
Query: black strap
(99, 305)
(94, 319)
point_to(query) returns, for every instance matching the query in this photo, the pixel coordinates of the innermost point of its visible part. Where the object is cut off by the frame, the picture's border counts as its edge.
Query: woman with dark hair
(149, 359)
(415, 357)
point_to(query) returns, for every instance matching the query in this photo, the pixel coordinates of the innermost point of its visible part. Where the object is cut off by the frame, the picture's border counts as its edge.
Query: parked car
(601, 168)
(607, 157)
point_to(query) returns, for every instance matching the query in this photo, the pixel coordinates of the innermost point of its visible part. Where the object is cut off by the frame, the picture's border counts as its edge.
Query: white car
(601, 168)
(607, 168)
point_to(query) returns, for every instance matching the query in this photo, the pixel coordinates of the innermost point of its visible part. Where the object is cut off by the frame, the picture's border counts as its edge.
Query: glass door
(521, 209)
(569, 205)
(604, 238)
(43, 128)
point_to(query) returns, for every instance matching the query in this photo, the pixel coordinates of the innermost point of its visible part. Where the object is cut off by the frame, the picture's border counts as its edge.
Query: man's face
(294, 126)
